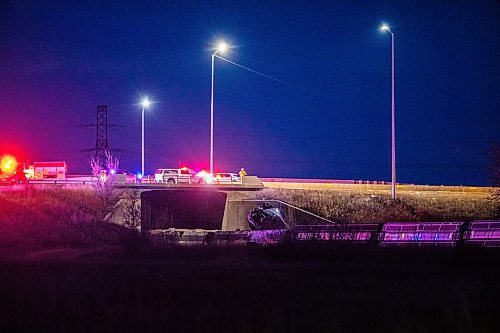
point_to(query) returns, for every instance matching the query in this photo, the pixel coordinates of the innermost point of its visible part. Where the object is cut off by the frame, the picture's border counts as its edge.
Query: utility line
(273, 78)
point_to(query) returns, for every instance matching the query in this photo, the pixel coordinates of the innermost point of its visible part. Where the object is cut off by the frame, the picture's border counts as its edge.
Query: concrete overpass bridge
(201, 206)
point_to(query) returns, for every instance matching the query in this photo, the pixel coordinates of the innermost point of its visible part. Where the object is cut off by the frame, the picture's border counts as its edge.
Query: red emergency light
(8, 164)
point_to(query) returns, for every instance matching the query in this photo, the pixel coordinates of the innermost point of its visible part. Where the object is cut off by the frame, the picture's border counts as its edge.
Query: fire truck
(48, 170)
(12, 172)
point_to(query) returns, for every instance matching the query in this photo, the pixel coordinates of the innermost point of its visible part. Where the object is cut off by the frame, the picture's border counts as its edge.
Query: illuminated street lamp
(145, 104)
(221, 47)
(385, 27)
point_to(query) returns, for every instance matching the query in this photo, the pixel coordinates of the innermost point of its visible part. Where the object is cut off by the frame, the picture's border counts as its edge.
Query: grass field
(33, 218)
(62, 269)
(364, 204)
(273, 289)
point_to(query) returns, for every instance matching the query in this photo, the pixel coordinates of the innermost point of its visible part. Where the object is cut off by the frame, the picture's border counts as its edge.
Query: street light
(145, 104)
(385, 27)
(221, 47)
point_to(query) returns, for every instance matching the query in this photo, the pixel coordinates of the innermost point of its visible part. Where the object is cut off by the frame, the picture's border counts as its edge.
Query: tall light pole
(221, 47)
(145, 103)
(393, 135)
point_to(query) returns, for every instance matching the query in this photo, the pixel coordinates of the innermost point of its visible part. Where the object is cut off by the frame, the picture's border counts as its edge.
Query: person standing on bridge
(242, 173)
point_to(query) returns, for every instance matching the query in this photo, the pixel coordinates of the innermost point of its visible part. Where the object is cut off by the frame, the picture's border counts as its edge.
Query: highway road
(277, 183)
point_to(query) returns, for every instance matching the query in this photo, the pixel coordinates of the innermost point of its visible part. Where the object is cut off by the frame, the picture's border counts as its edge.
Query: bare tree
(95, 166)
(132, 211)
(104, 185)
(112, 162)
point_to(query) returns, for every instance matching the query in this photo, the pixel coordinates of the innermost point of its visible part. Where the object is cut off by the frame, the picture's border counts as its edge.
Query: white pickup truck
(174, 176)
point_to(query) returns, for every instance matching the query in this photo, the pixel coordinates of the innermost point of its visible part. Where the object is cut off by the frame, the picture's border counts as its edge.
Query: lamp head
(385, 27)
(145, 103)
(222, 47)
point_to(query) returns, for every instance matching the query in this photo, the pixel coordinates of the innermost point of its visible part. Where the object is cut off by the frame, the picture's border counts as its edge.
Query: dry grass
(365, 206)
(39, 220)
(34, 220)
(288, 288)
(310, 288)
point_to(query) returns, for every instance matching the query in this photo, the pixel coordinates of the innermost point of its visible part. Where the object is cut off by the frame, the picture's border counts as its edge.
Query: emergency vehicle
(45, 170)
(174, 176)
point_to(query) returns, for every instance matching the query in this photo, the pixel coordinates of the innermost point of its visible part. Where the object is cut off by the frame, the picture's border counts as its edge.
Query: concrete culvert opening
(237, 211)
(182, 209)
(212, 210)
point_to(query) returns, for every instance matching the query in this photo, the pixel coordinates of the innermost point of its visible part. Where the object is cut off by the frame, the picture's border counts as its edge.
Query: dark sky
(59, 60)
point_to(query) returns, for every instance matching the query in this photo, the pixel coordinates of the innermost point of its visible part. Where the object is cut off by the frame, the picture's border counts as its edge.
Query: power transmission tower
(101, 142)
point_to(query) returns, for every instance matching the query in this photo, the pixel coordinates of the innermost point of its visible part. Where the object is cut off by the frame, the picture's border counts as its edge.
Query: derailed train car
(477, 233)
(389, 234)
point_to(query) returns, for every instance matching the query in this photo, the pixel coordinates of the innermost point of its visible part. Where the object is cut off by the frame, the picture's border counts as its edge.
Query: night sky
(59, 60)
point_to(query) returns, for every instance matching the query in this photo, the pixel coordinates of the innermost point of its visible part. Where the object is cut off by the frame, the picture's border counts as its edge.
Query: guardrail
(285, 204)
(61, 182)
(323, 181)
(332, 184)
